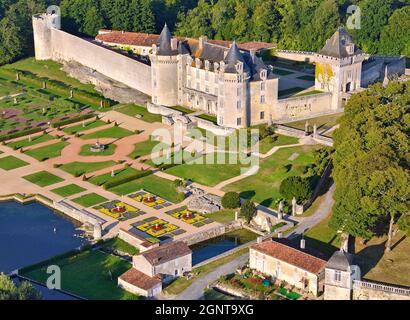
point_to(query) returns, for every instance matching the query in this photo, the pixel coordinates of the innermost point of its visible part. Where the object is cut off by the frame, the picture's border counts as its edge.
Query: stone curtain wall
(373, 291)
(66, 47)
(295, 108)
(302, 56)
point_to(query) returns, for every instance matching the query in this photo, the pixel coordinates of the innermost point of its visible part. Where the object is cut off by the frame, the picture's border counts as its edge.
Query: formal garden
(119, 210)
(150, 200)
(156, 230)
(43, 178)
(10, 163)
(189, 216)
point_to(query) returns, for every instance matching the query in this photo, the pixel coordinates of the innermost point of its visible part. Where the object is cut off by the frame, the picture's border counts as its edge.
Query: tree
(93, 22)
(371, 161)
(296, 187)
(248, 210)
(231, 200)
(9, 291)
(395, 36)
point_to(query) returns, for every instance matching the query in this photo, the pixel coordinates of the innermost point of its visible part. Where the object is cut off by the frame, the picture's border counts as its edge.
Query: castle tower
(42, 26)
(340, 272)
(234, 100)
(164, 68)
(339, 67)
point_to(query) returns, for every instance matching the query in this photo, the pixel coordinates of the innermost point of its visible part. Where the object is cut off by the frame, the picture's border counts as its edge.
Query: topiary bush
(231, 200)
(296, 187)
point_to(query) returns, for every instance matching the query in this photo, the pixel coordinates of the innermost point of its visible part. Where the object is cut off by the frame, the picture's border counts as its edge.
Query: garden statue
(315, 131)
(294, 204)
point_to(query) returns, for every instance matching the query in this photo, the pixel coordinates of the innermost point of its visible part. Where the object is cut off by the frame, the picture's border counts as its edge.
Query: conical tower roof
(164, 41)
(336, 46)
(233, 57)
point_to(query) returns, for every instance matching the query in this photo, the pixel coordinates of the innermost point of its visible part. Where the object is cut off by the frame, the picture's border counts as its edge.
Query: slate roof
(286, 251)
(164, 42)
(336, 46)
(233, 57)
(166, 252)
(340, 260)
(139, 279)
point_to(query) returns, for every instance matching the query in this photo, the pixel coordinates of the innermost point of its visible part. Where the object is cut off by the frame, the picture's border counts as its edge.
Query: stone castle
(226, 80)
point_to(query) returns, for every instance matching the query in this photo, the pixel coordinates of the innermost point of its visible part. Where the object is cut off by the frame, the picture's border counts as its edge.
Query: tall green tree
(9, 291)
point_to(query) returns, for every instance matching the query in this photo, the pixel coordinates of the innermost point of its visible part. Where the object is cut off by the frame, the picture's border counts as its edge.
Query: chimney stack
(202, 41)
(303, 244)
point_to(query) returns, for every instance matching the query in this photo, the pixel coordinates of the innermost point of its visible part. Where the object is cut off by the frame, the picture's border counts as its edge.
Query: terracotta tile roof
(129, 38)
(139, 279)
(166, 252)
(285, 251)
(147, 40)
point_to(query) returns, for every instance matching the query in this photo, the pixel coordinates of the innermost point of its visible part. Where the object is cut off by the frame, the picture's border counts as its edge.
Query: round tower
(42, 26)
(164, 68)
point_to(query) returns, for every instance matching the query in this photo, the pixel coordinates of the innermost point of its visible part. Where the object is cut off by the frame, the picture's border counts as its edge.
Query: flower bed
(190, 217)
(156, 230)
(119, 210)
(150, 200)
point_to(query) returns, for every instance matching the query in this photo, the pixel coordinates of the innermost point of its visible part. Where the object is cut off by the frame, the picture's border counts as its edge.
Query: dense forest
(292, 24)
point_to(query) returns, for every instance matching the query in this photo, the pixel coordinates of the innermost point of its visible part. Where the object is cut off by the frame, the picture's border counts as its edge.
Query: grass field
(80, 128)
(108, 151)
(263, 187)
(182, 109)
(113, 132)
(88, 275)
(208, 117)
(43, 178)
(119, 174)
(159, 186)
(89, 200)
(144, 148)
(49, 69)
(10, 163)
(266, 144)
(308, 93)
(133, 110)
(323, 123)
(80, 168)
(34, 140)
(68, 190)
(282, 72)
(120, 245)
(224, 216)
(207, 174)
(47, 152)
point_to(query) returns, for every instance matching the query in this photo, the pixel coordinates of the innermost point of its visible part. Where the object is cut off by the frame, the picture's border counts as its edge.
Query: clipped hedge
(117, 182)
(72, 120)
(19, 134)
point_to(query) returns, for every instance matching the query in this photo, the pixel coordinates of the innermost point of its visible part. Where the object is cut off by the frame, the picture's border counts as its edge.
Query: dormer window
(239, 67)
(263, 74)
(207, 65)
(350, 48)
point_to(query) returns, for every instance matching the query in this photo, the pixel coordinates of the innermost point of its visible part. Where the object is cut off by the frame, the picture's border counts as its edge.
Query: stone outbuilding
(155, 267)
(283, 261)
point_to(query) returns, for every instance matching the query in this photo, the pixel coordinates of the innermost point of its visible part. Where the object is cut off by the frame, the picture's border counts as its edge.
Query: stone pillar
(236, 215)
(112, 173)
(29, 138)
(97, 231)
(280, 210)
(15, 100)
(315, 131)
(294, 203)
(101, 104)
(44, 85)
(307, 128)
(83, 124)
(71, 94)
(17, 76)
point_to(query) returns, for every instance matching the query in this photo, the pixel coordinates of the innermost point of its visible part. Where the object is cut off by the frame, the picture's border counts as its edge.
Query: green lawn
(68, 190)
(80, 128)
(263, 187)
(134, 110)
(308, 93)
(159, 186)
(281, 72)
(207, 174)
(323, 122)
(182, 109)
(290, 91)
(307, 78)
(80, 168)
(120, 245)
(47, 152)
(224, 216)
(10, 163)
(34, 140)
(90, 274)
(144, 148)
(113, 132)
(208, 117)
(119, 174)
(43, 178)
(266, 144)
(89, 200)
(108, 151)
(49, 69)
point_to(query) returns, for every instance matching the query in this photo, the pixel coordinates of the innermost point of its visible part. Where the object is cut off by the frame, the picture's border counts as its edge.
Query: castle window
(338, 276)
(238, 105)
(262, 99)
(239, 121)
(262, 115)
(238, 92)
(221, 120)
(263, 86)
(207, 76)
(197, 74)
(207, 89)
